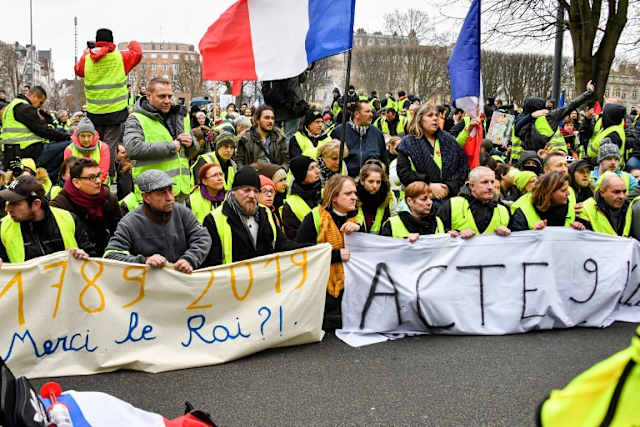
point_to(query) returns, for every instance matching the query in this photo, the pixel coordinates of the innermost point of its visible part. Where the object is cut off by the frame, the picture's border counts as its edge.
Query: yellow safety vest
(556, 140)
(132, 200)
(462, 218)
(607, 394)
(15, 132)
(226, 237)
(298, 206)
(176, 166)
(594, 143)
(529, 211)
(306, 146)
(200, 206)
(377, 222)
(212, 158)
(383, 125)
(11, 234)
(599, 222)
(105, 84)
(399, 230)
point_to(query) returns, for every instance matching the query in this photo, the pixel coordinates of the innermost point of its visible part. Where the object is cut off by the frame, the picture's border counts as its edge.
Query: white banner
(488, 285)
(59, 316)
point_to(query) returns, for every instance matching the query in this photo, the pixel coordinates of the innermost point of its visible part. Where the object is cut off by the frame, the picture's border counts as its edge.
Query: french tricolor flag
(95, 409)
(274, 39)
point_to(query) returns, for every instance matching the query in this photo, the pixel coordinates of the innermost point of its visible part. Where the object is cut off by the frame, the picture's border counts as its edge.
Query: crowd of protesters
(142, 179)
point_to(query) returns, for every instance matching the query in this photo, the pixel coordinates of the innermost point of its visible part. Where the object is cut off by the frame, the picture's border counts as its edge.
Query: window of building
(176, 68)
(165, 67)
(617, 93)
(153, 46)
(154, 55)
(624, 95)
(634, 94)
(176, 56)
(606, 92)
(165, 56)
(154, 67)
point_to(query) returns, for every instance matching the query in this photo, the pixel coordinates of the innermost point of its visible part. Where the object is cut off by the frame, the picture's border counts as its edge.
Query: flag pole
(344, 110)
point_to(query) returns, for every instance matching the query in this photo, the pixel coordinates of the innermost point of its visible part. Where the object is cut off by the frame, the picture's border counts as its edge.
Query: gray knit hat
(608, 149)
(85, 125)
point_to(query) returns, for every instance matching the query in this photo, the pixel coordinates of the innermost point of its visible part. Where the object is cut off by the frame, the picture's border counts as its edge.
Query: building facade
(177, 62)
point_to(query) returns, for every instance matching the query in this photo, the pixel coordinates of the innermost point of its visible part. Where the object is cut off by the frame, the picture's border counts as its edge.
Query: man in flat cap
(159, 231)
(33, 228)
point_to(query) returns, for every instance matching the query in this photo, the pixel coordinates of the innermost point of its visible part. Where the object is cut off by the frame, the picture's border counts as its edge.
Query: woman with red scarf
(86, 197)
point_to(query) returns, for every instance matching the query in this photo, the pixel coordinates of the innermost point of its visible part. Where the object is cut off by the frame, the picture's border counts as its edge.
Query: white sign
(60, 316)
(488, 285)
(500, 128)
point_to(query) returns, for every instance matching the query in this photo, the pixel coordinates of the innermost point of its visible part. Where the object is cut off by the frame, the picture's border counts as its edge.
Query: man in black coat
(250, 227)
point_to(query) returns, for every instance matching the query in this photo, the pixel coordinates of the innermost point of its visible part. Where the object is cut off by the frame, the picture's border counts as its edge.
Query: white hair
(477, 172)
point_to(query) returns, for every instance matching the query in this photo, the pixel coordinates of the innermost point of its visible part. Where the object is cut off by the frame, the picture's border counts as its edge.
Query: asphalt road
(434, 380)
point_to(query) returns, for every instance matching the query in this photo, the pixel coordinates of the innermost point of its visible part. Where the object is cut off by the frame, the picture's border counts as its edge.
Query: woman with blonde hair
(421, 218)
(431, 155)
(546, 206)
(329, 160)
(328, 223)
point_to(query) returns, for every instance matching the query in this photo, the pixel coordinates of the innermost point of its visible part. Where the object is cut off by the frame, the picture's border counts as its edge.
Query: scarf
(421, 152)
(329, 233)
(371, 202)
(310, 193)
(360, 130)
(423, 225)
(555, 215)
(325, 172)
(92, 204)
(215, 199)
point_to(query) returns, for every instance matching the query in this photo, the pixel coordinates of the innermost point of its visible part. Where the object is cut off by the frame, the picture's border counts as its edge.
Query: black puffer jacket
(44, 238)
(482, 212)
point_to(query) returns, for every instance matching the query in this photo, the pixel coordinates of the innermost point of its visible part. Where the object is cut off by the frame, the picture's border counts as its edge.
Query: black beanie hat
(299, 167)
(311, 115)
(104, 35)
(246, 176)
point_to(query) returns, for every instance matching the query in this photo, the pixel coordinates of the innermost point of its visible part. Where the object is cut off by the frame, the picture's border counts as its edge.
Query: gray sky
(145, 20)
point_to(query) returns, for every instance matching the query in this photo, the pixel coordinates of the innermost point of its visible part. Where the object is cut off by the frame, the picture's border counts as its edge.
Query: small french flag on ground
(275, 39)
(94, 409)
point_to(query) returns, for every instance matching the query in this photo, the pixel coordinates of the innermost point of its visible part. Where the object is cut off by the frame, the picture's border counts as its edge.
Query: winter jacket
(361, 149)
(251, 148)
(98, 232)
(311, 194)
(134, 141)
(285, 97)
(130, 58)
(138, 237)
(44, 238)
(105, 155)
(307, 232)
(423, 226)
(242, 246)
(612, 115)
(29, 116)
(455, 166)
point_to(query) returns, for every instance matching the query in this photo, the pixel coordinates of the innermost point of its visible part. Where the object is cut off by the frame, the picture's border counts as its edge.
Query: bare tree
(316, 78)
(187, 77)
(10, 75)
(409, 23)
(595, 26)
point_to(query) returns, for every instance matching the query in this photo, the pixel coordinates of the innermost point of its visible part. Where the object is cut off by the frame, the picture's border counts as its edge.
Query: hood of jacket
(100, 50)
(143, 106)
(533, 103)
(613, 114)
(530, 155)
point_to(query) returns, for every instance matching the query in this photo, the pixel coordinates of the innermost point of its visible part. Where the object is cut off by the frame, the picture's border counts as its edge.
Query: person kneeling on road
(478, 212)
(240, 228)
(33, 228)
(159, 231)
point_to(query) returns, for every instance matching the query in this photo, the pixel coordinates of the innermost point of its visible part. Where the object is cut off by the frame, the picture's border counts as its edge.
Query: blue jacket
(362, 149)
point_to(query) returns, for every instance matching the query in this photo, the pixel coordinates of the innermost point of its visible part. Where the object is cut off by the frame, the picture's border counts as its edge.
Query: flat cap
(153, 180)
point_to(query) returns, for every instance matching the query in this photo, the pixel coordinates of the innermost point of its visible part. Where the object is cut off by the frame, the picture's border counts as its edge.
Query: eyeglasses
(267, 192)
(91, 177)
(214, 175)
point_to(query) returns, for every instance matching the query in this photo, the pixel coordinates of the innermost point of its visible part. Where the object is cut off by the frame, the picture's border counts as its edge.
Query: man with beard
(263, 142)
(159, 231)
(241, 229)
(608, 211)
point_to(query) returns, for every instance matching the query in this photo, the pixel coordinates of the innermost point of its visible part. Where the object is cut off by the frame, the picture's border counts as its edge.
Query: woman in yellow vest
(209, 193)
(420, 220)
(328, 223)
(546, 206)
(305, 194)
(329, 160)
(375, 198)
(85, 142)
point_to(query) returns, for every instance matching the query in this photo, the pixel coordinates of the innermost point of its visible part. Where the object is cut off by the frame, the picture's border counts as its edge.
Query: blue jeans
(51, 158)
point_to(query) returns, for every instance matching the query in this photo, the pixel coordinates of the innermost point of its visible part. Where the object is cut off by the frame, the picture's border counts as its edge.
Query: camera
(91, 44)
